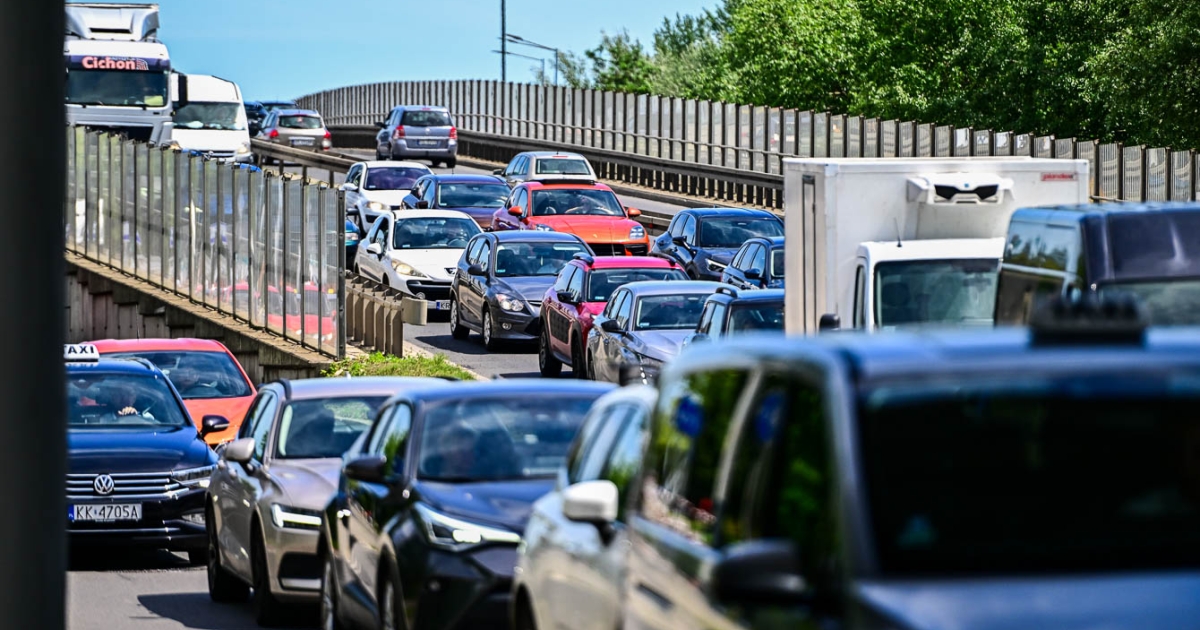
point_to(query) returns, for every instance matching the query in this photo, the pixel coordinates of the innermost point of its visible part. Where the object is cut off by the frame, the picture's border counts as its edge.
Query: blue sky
(287, 48)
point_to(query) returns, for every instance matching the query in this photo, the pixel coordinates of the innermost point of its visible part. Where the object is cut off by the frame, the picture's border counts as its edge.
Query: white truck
(881, 244)
(117, 70)
(210, 117)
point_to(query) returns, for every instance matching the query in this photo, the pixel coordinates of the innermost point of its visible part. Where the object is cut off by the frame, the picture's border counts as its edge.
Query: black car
(732, 312)
(703, 240)
(137, 467)
(476, 195)
(757, 265)
(255, 112)
(423, 529)
(501, 278)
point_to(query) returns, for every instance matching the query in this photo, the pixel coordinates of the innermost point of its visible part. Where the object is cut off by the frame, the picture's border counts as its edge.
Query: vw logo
(103, 485)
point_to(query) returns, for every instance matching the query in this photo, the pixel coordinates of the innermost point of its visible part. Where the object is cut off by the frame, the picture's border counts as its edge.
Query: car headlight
(406, 269)
(193, 477)
(351, 238)
(509, 303)
(294, 517)
(375, 205)
(637, 232)
(541, 227)
(451, 533)
(243, 148)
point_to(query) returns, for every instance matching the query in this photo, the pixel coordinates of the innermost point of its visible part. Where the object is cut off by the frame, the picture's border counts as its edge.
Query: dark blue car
(137, 467)
(703, 240)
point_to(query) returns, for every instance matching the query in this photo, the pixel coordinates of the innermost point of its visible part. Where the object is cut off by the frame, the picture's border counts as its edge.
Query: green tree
(620, 63)
(687, 56)
(572, 71)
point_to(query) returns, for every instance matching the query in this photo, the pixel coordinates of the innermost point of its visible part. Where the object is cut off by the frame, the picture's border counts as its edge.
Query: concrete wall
(106, 304)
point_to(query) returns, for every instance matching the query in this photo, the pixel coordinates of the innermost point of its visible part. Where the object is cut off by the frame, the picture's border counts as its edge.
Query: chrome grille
(151, 485)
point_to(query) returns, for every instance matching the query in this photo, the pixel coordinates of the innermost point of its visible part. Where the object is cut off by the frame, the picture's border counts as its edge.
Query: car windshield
(425, 118)
(459, 195)
(122, 401)
(576, 201)
(732, 232)
(602, 282)
(933, 292)
(669, 312)
(534, 259)
(300, 121)
(1167, 303)
(393, 177)
(323, 428)
(434, 233)
(116, 87)
(499, 439)
(752, 317)
(1035, 473)
(777, 267)
(197, 374)
(562, 166)
(219, 116)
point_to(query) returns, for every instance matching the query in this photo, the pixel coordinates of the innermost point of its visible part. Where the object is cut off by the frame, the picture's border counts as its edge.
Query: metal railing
(266, 249)
(676, 133)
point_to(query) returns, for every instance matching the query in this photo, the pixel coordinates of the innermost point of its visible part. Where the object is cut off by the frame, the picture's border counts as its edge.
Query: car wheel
(524, 620)
(223, 587)
(197, 557)
(385, 282)
(457, 330)
(451, 163)
(387, 603)
(330, 619)
(489, 340)
(379, 157)
(548, 364)
(590, 366)
(267, 610)
(578, 366)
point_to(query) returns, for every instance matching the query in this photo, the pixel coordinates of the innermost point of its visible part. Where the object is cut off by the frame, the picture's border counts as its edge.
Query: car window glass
(718, 322)
(739, 258)
(564, 277)
(705, 318)
(859, 295)
(593, 461)
(378, 430)
(522, 199)
(473, 250)
(385, 227)
(689, 229)
(759, 261)
(252, 416)
(323, 428)
(397, 439)
(576, 284)
(625, 457)
(610, 309)
(262, 429)
(485, 256)
(352, 176)
(625, 309)
(596, 418)
(373, 231)
(426, 118)
(676, 227)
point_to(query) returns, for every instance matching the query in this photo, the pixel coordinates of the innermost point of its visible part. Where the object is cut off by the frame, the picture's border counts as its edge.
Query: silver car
(296, 128)
(545, 165)
(418, 131)
(265, 498)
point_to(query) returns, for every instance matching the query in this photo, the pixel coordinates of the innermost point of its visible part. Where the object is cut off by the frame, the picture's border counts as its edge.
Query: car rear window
(300, 122)
(198, 374)
(562, 166)
(425, 118)
(602, 282)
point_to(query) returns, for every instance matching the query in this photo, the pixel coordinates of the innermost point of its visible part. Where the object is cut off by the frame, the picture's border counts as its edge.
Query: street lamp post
(513, 54)
(503, 42)
(517, 39)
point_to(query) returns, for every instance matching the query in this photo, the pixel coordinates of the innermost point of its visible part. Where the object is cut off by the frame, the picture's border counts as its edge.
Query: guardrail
(676, 135)
(266, 249)
(376, 314)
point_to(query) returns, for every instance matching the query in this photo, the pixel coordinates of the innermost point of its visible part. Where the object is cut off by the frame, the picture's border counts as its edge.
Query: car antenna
(899, 243)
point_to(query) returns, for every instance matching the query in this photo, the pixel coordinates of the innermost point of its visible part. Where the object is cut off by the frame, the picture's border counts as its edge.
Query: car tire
(489, 338)
(524, 618)
(330, 616)
(267, 610)
(379, 157)
(223, 586)
(198, 557)
(590, 366)
(548, 364)
(387, 598)
(451, 163)
(457, 329)
(578, 365)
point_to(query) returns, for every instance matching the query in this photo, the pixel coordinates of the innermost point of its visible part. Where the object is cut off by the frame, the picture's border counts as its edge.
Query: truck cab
(210, 117)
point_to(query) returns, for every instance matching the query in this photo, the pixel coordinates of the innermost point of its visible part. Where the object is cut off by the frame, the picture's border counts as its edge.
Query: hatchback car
(531, 165)
(296, 128)
(375, 188)
(703, 240)
(578, 294)
(416, 251)
(643, 326)
(582, 207)
(424, 527)
(418, 131)
(476, 195)
(265, 500)
(500, 282)
(758, 264)
(204, 372)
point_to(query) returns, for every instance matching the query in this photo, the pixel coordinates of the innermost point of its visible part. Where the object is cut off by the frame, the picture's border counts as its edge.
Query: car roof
(534, 236)
(423, 107)
(773, 241)
(515, 388)
(464, 178)
(309, 388)
(540, 185)
(136, 345)
(275, 102)
(404, 164)
(297, 112)
(1074, 213)
(549, 154)
(671, 287)
(732, 294)
(704, 213)
(630, 262)
(936, 249)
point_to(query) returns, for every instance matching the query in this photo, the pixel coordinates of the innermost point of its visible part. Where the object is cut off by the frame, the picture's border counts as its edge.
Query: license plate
(441, 305)
(427, 143)
(105, 512)
(306, 142)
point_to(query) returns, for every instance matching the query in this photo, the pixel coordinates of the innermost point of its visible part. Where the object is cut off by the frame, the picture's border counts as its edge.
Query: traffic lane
(512, 361)
(155, 590)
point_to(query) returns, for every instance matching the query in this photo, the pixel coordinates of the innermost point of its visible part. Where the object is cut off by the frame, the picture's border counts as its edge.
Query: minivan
(418, 131)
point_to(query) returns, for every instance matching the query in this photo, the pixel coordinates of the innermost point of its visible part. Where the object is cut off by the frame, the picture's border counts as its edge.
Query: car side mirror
(610, 326)
(368, 469)
(422, 205)
(375, 249)
(594, 502)
(476, 270)
(760, 572)
(213, 424)
(515, 211)
(698, 338)
(566, 297)
(239, 451)
(829, 321)
(633, 212)
(350, 187)
(679, 240)
(381, 125)
(753, 274)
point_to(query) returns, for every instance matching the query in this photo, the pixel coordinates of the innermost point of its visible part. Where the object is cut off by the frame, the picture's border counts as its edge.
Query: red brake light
(328, 135)
(453, 133)
(398, 133)
(274, 133)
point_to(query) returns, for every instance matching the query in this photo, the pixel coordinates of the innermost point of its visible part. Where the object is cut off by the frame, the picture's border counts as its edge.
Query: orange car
(208, 377)
(578, 206)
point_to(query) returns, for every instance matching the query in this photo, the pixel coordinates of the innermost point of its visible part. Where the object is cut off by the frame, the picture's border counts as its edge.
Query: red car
(579, 294)
(208, 377)
(584, 208)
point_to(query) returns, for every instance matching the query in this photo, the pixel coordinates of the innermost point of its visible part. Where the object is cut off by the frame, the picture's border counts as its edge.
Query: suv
(730, 311)
(757, 265)
(531, 165)
(1150, 250)
(580, 293)
(296, 128)
(418, 131)
(703, 240)
(854, 481)
(580, 206)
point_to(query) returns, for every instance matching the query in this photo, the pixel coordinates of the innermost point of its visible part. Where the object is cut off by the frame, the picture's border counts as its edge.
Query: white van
(210, 117)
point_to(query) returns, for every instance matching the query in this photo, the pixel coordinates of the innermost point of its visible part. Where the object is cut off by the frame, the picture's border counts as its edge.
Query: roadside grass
(380, 364)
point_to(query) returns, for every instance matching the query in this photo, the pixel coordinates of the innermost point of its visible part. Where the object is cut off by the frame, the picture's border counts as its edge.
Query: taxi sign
(81, 352)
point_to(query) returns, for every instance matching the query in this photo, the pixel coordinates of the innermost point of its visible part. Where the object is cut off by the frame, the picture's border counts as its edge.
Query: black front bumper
(466, 590)
(523, 326)
(162, 525)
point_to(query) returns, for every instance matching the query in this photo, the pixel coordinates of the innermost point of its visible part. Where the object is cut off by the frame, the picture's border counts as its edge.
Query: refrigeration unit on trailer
(907, 242)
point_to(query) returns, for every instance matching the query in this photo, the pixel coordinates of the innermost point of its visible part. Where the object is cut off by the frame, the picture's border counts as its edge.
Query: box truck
(117, 70)
(907, 242)
(210, 117)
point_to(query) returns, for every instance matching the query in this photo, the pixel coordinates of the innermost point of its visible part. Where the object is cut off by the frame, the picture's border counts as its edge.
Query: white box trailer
(846, 216)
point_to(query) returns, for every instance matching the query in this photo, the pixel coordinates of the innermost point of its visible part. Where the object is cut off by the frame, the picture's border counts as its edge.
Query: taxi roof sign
(81, 352)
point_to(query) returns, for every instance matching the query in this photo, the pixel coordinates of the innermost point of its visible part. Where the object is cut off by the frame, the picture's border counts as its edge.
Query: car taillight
(398, 133)
(274, 133)
(453, 133)
(328, 135)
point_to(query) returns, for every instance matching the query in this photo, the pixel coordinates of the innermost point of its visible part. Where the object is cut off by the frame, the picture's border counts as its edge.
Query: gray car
(545, 165)
(265, 498)
(643, 326)
(418, 132)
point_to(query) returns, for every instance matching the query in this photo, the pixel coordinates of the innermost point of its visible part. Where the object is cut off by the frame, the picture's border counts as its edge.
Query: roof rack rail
(1088, 318)
(585, 257)
(727, 289)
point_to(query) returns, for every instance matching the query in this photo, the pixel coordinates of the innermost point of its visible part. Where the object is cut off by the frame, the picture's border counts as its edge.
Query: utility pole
(503, 42)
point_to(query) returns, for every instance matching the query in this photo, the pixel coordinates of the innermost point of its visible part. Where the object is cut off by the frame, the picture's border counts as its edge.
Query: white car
(376, 188)
(571, 561)
(416, 251)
